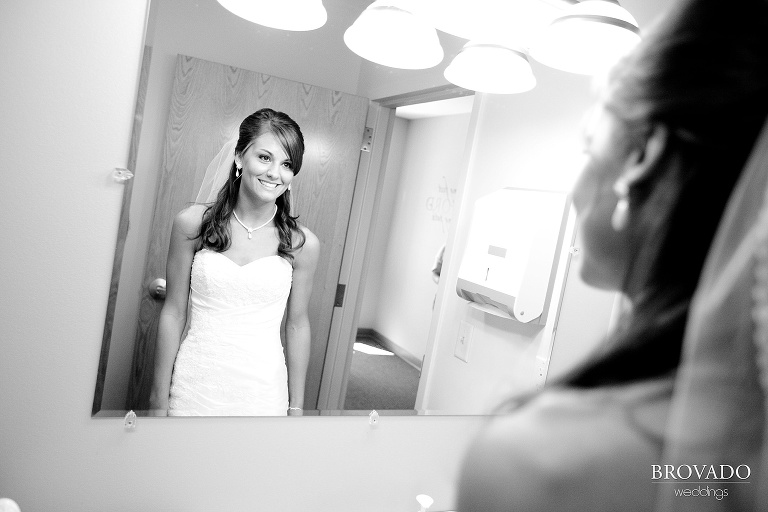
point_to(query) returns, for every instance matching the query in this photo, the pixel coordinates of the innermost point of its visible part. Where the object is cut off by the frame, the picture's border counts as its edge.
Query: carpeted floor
(379, 379)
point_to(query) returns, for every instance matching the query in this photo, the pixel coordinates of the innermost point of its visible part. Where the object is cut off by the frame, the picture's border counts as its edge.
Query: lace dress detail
(231, 361)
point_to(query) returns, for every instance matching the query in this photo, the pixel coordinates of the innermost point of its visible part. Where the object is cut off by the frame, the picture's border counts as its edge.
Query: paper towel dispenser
(509, 264)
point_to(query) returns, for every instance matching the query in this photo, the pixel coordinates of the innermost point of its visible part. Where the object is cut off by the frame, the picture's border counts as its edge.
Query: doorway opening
(418, 193)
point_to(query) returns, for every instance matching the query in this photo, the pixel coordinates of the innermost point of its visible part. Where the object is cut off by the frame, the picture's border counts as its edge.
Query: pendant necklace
(251, 230)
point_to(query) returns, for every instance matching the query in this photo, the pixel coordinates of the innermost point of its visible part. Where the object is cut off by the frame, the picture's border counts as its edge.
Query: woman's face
(605, 251)
(267, 169)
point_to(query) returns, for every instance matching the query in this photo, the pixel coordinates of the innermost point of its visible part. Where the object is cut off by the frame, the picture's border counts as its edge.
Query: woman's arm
(297, 331)
(173, 315)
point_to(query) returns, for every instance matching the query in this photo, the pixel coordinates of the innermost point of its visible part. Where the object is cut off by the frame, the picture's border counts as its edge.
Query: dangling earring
(620, 215)
(289, 186)
(238, 172)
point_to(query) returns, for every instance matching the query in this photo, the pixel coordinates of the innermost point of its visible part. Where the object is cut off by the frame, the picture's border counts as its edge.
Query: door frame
(359, 241)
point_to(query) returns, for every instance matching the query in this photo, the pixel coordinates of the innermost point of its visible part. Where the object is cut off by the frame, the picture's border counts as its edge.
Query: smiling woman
(207, 100)
(231, 361)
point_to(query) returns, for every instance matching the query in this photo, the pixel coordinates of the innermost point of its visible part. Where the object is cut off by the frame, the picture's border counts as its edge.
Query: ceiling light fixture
(491, 68)
(389, 33)
(506, 22)
(295, 15)
(587, 37)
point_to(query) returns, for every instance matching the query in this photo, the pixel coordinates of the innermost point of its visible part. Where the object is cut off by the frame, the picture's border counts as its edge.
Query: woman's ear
(642, 161)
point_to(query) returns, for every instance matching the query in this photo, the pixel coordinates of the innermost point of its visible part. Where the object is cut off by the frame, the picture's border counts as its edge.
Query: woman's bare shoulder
(308, 254)
(190, 218)
(560, 450)
(310, 239)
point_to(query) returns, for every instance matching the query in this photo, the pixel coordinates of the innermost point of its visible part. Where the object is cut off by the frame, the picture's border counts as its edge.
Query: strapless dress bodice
(231, 361)
(261, 281)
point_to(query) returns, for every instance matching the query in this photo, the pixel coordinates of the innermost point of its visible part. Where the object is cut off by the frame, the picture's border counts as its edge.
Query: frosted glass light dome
(491, 68)
(588, 37)
(493, 21)
(388, 34)
(295, 15)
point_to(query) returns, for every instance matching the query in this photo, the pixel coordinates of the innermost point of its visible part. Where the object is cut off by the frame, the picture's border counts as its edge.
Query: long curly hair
(703, 73)
(214, 231)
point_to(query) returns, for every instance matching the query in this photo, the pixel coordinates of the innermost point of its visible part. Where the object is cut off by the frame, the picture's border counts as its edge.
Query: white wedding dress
(231, 362)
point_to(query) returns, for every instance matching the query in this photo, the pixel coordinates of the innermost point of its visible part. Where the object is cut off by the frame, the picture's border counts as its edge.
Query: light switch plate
(462, 342)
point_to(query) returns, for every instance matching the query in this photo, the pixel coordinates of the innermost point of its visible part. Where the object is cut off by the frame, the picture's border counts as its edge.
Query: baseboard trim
(391, 346)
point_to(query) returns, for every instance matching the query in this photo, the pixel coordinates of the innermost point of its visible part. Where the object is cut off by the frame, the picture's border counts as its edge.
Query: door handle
(157, 289)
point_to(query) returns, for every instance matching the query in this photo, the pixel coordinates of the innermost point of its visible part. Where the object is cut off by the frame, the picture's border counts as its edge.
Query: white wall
(417, 215)
(68, 73)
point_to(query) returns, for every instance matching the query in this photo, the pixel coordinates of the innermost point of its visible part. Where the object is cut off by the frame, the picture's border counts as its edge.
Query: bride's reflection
(240, 262)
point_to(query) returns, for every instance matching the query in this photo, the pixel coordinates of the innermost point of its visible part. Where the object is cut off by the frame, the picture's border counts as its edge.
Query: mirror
(203, 30)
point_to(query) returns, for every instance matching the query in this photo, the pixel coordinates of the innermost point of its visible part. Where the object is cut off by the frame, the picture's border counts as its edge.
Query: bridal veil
(718, 413)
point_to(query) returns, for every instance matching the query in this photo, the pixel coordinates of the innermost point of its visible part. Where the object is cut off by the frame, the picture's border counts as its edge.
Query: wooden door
(209, 101)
